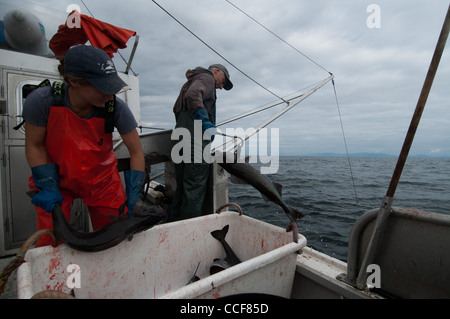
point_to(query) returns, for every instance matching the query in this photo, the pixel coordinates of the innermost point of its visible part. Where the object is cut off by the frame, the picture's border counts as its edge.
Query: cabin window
(24, 88)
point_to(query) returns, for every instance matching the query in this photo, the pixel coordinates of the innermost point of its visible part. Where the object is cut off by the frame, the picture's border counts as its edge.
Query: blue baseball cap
(94, 65)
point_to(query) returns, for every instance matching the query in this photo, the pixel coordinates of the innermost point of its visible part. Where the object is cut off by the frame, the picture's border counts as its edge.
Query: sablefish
(243, 172)
(220, 234)
(144, 216)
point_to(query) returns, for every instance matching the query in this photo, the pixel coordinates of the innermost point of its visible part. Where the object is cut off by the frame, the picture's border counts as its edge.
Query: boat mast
(388, 199)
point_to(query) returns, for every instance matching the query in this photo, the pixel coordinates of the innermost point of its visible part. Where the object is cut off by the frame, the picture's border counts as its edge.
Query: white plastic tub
(159, 262)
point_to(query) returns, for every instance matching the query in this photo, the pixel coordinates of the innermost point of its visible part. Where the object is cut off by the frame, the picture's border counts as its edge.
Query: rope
(19, 259)
(220, 55)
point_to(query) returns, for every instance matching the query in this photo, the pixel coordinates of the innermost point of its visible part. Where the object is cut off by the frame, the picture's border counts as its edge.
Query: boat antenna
(388, 199)
(212, 49)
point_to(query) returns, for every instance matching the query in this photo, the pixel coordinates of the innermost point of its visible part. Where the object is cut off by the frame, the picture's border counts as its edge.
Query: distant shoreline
(362, 155)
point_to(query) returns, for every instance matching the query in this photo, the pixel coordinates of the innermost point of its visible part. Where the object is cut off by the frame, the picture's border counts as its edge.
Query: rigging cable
(332, 81)
(282, 99)
(212, 49)
(345, 141)
(256, 110)
(267, 105)
(277, 36)
(87, 8)
(120, 54)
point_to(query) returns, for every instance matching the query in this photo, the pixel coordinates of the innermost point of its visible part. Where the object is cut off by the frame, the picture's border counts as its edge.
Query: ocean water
(323, 189)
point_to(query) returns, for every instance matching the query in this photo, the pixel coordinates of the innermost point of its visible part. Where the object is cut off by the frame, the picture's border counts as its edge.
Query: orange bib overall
(87, 168)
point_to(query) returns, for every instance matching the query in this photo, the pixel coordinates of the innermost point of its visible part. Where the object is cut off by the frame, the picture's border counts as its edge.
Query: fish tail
(296, 213)
(221, 233)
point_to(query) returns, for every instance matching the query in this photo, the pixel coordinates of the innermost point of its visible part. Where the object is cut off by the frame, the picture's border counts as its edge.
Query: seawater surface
(323, 189)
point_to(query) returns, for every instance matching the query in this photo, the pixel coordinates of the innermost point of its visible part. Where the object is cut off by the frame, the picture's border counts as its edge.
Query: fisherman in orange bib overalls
(69, 146)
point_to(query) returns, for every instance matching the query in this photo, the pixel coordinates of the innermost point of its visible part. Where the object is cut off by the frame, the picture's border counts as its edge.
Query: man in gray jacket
(196, 103)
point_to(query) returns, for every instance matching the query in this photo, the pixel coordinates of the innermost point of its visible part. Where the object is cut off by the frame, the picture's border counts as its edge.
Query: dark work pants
(192, 182)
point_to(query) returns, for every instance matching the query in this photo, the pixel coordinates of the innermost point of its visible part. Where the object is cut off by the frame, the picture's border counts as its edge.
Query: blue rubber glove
(134, 180)
(46, 178)
(201, 114)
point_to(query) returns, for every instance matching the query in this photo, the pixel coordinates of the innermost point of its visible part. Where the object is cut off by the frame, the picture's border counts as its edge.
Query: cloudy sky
(379, 59)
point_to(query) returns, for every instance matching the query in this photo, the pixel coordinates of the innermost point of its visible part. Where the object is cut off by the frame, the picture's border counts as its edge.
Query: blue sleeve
(124, 119)
(36, 108)
(201, 114)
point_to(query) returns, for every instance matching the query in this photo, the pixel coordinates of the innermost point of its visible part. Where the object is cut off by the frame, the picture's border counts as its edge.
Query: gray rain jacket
(198, 92)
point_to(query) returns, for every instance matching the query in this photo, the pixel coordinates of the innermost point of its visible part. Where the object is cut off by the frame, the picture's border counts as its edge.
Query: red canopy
(101, 35)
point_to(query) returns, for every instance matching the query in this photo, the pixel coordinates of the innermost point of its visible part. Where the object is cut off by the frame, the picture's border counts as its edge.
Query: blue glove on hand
(46, 178)
(134, 180)
(201, 114)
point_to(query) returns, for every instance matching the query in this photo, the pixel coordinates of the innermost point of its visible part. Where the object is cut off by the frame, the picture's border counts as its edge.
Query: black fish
(270, 191)
(231, 259)
(144, 216)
